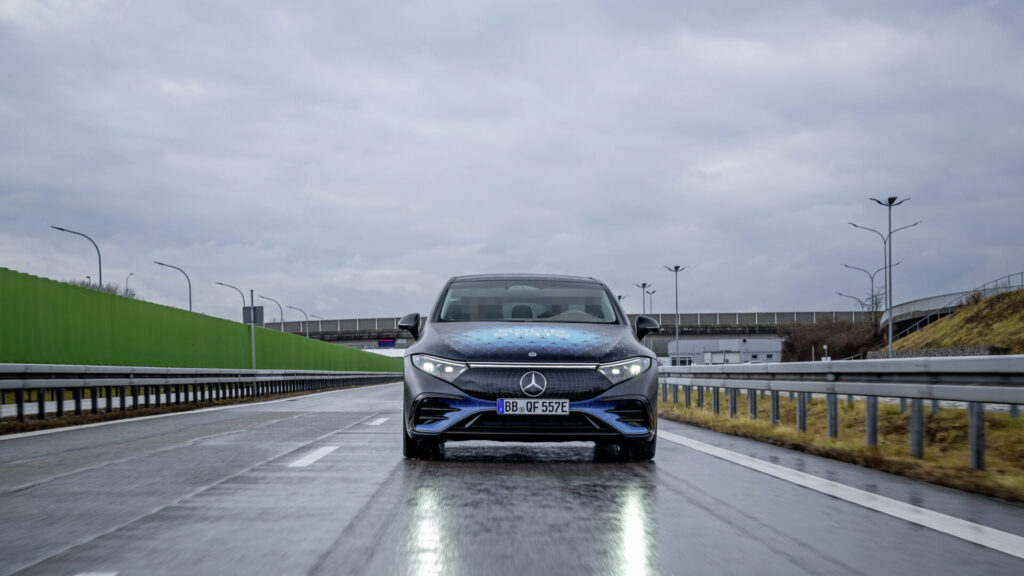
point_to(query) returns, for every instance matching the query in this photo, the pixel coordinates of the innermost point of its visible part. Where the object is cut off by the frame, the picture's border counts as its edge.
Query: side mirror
(645, 325)
(411, 323)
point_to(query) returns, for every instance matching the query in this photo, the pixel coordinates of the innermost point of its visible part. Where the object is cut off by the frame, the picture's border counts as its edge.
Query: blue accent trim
(469, 406)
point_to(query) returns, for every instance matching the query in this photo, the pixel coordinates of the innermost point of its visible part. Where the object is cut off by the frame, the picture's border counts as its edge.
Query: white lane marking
(96, 574)
(171, 414)
(377, 422)
(312, 457)
(982, 535)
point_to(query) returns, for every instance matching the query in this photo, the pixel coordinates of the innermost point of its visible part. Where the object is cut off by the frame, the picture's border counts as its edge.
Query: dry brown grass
(946, 451)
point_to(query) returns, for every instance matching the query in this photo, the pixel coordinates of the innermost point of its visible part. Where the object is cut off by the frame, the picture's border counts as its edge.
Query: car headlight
(447, 370)
(616, 372)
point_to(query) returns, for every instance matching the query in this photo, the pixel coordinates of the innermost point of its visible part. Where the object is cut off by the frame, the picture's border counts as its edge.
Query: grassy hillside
(48, 322)
(994, 321)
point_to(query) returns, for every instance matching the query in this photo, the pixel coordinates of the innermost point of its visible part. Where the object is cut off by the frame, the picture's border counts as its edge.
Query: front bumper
(441, 411)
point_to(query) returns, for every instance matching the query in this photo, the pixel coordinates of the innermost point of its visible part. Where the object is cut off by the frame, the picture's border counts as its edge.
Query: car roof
(552, 277)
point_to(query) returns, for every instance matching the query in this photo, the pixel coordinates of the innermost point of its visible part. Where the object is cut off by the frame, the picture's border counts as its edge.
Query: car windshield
(518, 300)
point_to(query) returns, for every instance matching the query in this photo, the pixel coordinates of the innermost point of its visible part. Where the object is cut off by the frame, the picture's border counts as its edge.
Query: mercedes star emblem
(533, 384)
(532, 354)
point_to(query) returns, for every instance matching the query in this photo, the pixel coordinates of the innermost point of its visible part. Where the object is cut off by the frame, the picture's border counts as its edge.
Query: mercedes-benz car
(529, 358)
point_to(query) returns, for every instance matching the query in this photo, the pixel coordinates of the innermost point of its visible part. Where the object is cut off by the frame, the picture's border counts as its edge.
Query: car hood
(514, 341)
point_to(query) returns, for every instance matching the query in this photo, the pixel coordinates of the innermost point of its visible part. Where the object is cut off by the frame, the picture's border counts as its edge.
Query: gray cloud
(347, 158)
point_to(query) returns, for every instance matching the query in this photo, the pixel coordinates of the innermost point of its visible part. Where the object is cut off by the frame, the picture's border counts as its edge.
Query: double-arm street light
(279, 309)
(304, 314)
(99, 257)
(887, 255)
(643, 299)
(187, 279)
(676, 270)
(871, 277)
(863, 303)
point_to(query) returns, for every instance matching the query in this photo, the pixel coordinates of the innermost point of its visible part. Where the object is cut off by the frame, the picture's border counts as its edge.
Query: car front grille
(570, 384)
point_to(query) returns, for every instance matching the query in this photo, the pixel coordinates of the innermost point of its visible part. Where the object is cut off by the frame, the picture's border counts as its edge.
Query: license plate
(533, 407)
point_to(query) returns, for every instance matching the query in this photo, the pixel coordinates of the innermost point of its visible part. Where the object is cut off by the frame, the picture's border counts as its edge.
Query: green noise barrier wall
(49, 322)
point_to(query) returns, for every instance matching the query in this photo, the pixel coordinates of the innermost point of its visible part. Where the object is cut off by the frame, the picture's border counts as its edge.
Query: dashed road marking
(312, 457)
(377, 422)
(982, 535)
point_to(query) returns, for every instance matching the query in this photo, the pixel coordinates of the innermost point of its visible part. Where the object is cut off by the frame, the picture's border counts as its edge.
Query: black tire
(420, 448)
(638, 450)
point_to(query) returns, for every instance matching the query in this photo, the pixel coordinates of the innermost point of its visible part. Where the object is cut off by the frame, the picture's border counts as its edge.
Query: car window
(526, 301)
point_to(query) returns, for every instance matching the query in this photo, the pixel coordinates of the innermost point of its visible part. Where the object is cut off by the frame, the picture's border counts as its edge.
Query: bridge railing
(974, 380)
(141, 386)
(939, 306)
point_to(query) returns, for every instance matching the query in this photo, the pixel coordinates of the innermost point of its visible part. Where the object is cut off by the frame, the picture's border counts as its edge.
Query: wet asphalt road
(218, 492)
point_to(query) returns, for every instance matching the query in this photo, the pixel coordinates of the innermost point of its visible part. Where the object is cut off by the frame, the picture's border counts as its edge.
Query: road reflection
(528, 509)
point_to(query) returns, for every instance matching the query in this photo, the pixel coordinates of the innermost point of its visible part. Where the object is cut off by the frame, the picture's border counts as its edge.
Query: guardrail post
(1014, 411)
(675, 394)
(832, 409)
(94, 393)
(41, 404)
(686, 395)
(752, 402)
(903, 405)
(147, 391)
(124, 399)
(801, 411)
(664, 392)
(733, 401)
(158, 389)
(935, 407)
(715, 400)
(19, 399)
(135, 396)
(108, 391)
(917, 428)
(177, 394)
(849, 400)
(775, 407)
(871, 421)
(76, 393)
(700, 397)
(60, 401)
(976, 434)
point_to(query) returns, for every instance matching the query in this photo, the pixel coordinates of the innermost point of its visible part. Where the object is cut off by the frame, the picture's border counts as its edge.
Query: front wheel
(420, 449)
(638, 450)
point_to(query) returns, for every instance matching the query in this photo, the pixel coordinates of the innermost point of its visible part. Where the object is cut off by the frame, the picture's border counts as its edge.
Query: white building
(724, 351)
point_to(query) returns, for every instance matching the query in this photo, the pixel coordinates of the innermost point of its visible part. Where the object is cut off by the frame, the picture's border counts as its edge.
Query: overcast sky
(348, 157)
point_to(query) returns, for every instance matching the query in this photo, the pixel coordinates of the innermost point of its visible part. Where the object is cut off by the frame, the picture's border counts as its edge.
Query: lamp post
(88, 279)
(239, 293)
(643, 299)
(676, 270)
(887, 254)
(319, 323)
(863, 304)
(279, 309)
(871, 277)
(304, 314)
(252, 321)
(651, 294)
(187, 279)
(99, 257)
(130, 274)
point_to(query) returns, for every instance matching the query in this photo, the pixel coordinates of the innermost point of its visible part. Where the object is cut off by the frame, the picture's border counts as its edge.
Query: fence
(159, 386)
(939, 306)
(974, 380)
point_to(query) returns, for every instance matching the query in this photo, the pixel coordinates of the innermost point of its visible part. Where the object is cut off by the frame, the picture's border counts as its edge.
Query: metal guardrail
(157, 386)
(974, 380)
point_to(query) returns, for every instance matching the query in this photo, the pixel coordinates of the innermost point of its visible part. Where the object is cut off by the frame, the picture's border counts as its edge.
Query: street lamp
(187, 279)
(871, 277)
(130, 274)
(676, 270)
(863, 304)
(643, 299)
(279, 309)
(304, 314)
(651, 294)
(98, 255)
(239, 293)
(889, 203)
(319, 323)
